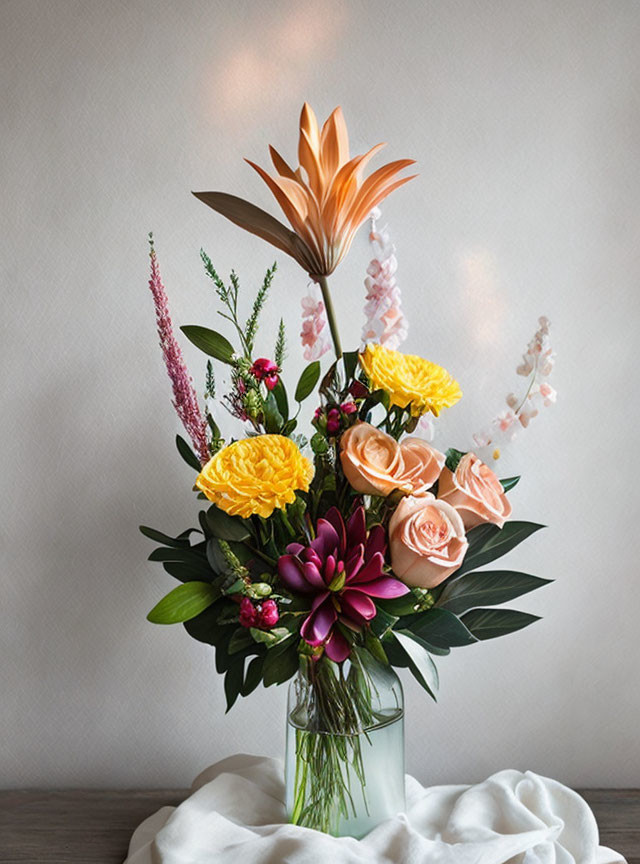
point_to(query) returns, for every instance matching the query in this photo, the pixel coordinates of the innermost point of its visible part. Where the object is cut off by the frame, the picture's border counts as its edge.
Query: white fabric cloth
(236, 815)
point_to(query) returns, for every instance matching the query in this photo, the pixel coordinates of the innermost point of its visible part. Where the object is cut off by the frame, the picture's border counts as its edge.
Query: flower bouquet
(334, 556)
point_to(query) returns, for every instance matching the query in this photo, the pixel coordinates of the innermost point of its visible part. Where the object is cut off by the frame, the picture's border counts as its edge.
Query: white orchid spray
(537, 365)
(385, 323)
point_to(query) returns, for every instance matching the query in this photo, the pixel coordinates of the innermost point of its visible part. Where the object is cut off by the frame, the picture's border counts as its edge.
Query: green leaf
(253, 676)
(205, 627)
(308, 381)
(509, 483)
(280, 663)
(233, 681)
(184, 602)
(487, 588)
(350, 360)
(273, 419)
(441, 628)
(187, 454)
(378, 397)
(271, 637)
(405, 605)
(280, 395)
(374, 647)
(289, 427)
(383, 623)
(492, 542)
(418, 661)
(491, 623)
(158, 537)
(187, 571)
(453, 458)
(319, 444)
(212, 343)
(186, 554)
(225, 527)
(240, 640)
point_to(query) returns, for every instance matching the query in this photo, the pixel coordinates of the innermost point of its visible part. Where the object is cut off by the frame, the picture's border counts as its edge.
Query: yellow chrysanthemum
(255, 475)
(410, 380)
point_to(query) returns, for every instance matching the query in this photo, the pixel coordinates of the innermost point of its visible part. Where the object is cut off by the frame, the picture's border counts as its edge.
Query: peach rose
(427, 541)
(475, 492)
(375, 464)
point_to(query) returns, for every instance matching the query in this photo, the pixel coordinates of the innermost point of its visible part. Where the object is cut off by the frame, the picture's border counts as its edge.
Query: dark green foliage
(184, 602)
(486, 588)
(488, 542)
(453, 458)
(439, 627)
(212, 343)
(308, 381)
(187, 454)
(491, 623)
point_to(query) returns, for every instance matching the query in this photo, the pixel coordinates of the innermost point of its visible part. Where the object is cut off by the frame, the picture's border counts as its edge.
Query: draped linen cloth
(236, 815)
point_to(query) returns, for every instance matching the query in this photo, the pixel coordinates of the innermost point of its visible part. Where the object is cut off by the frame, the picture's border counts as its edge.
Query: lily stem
(331, 315)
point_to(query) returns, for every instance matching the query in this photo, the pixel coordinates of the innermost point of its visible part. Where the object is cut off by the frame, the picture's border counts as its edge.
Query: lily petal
(318, 624)
(260, 223)
(357, 605)
(371, 570)
(326, 540)
(337, 647)
(387, 587)
(290, 570)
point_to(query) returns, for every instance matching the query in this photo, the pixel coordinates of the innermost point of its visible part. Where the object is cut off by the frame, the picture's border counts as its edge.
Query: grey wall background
(523, 117)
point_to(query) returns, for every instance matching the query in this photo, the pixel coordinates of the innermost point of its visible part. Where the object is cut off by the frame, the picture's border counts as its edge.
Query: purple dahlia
(343, 568)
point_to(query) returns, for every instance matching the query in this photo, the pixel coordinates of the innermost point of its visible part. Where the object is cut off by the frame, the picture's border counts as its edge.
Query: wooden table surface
(94, 826)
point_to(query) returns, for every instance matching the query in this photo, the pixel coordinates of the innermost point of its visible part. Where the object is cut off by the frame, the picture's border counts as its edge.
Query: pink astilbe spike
(384, 320)
(185, 400)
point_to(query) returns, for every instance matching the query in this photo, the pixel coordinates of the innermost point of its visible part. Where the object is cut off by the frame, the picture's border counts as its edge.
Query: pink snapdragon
(185, 400)
(384, 321)
(315, 329)
(267, 371)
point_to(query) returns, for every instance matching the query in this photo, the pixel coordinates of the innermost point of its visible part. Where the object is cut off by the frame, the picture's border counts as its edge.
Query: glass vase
(344, 769)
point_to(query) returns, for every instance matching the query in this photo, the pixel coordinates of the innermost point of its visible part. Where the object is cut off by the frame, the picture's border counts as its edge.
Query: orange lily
(325, 205)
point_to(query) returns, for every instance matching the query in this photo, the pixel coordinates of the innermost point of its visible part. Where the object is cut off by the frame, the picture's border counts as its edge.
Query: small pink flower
(314, 326)
(548, 393)
(506, 420)
(333, 421)
(268, 616)
(348, 407)
(248, 613)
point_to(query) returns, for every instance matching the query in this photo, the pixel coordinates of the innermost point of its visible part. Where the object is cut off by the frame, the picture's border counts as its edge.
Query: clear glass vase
(344, 769)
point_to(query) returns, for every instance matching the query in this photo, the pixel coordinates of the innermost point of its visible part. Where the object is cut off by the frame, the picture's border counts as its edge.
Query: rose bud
(348, 408)
(334, 421)
(268, 615)
(248, 613)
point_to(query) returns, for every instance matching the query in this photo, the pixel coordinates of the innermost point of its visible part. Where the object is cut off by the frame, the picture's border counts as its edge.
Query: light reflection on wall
(481, 295)
(272, 62)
